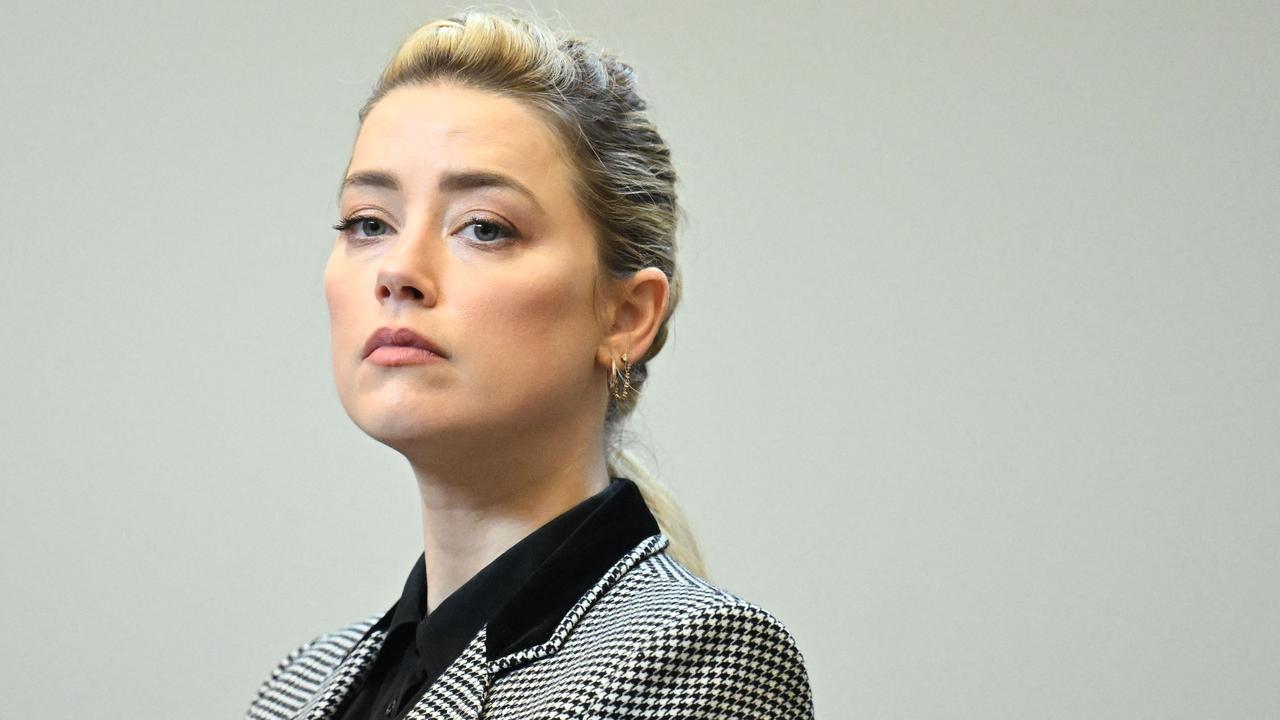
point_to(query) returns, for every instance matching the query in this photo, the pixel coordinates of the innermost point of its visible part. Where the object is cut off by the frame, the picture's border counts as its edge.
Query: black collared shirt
(521, 596)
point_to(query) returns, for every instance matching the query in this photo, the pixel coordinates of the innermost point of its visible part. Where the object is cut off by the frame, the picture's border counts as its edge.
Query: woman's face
(462, 225)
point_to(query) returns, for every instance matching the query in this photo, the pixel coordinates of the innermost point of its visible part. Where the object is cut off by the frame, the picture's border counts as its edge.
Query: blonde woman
(503, 272)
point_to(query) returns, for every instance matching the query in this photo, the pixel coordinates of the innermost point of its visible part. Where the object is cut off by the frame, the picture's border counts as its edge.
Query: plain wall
(975, 384)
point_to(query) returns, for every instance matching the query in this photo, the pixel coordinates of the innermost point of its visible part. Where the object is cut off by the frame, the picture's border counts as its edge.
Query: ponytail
(683, 546)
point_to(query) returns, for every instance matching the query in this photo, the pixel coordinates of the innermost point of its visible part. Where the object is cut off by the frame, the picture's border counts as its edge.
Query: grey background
(975, 383)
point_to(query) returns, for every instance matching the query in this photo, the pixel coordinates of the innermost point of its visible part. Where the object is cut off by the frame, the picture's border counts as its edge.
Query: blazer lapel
(338, 684)
(460, 692)
(533, 624)
(616, 536)
(548, 640)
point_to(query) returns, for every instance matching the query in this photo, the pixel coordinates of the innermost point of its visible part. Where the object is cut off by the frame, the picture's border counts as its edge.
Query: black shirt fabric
(521, 595)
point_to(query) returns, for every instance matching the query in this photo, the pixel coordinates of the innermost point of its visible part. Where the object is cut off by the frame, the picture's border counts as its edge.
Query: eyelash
(507, 231)
(345, 223)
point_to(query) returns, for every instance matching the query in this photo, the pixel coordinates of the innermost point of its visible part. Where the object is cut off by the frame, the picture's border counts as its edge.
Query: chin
(407, 424)
(397, 415)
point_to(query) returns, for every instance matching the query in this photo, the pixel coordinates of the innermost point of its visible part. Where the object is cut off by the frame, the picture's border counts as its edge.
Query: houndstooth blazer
(648, 640)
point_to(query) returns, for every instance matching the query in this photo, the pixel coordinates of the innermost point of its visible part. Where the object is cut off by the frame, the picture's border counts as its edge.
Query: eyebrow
(452, 182)
(373, 178)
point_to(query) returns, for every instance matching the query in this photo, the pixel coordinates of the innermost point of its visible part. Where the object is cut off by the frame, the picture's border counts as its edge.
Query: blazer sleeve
(729, 660)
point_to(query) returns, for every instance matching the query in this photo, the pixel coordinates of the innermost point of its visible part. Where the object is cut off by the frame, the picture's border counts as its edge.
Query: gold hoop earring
(625, 382)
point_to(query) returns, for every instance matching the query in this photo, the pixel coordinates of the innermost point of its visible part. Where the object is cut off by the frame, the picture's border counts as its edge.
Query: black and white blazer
(648, 640)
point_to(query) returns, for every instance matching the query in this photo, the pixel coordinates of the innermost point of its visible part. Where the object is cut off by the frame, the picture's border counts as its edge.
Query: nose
(407, 272)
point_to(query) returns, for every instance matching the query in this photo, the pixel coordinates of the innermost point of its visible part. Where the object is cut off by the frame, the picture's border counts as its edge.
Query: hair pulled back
(624, 177)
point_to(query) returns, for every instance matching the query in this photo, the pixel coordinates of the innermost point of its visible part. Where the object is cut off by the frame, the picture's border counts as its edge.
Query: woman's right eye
(367, 225)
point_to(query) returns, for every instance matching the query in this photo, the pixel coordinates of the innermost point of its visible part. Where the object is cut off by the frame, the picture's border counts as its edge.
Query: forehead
(423, 129)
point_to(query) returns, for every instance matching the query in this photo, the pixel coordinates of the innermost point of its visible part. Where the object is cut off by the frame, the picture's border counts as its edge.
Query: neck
(473, 510)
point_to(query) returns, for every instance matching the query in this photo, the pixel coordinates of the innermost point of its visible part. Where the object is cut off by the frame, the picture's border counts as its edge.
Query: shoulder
(695, 647)
(298, 675)
(671, 596)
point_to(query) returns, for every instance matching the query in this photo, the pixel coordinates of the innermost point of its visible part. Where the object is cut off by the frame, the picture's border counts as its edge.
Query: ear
(634, 311)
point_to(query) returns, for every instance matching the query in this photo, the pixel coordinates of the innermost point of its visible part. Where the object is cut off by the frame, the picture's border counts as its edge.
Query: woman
(504, 271)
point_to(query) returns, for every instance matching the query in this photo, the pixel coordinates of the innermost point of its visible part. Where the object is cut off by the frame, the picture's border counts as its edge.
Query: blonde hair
(624, 179)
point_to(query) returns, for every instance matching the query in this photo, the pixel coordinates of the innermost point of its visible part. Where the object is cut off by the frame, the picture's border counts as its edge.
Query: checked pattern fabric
(649, 640)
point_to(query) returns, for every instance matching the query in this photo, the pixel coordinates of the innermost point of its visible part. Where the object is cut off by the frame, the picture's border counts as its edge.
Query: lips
(402, 337)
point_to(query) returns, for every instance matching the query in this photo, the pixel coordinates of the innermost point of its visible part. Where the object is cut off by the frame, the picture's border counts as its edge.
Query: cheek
(536, 316)
(337, 292)
(341, 291)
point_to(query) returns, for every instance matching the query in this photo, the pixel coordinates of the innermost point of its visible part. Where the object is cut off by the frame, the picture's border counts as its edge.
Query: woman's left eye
(487, 232)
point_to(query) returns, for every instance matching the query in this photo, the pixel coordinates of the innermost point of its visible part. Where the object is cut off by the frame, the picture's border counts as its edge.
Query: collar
(534, 623)
(610, 531)
(525, 593)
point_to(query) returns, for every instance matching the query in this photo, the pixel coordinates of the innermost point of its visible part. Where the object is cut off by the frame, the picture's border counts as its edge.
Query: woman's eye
(368, 226)
(487, 232)
(372, 226)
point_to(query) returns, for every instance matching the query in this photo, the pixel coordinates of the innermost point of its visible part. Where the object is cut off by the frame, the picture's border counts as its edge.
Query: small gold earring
(626, 378)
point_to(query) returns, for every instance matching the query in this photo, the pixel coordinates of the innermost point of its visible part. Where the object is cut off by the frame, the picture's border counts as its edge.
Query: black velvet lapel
(609, 532)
